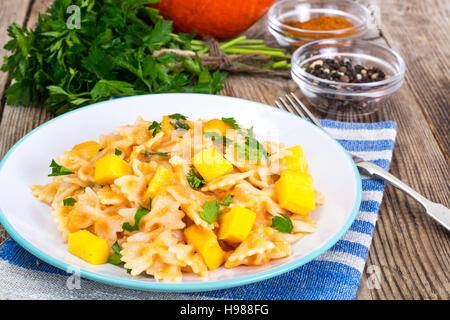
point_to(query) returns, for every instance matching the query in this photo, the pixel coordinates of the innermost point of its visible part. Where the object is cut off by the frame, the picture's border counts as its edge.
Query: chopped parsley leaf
(180, 124)
(282, 223)
(252, 149)
(58, 170)
(227, 201)
(194, 181)
(69, 202)
(217, 137)
(137, 218)
(231, 122)
(115, 258)
(151, 153)
(156, 127)
(210, 211)
(177, 116)
(117, 152)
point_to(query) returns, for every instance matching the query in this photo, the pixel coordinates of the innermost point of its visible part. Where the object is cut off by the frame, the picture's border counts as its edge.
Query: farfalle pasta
(179, 196)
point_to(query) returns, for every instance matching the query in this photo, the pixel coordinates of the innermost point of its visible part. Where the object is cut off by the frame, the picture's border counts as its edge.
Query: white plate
(30, 223)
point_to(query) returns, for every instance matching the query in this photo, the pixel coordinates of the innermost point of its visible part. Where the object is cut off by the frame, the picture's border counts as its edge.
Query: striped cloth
(336, 274)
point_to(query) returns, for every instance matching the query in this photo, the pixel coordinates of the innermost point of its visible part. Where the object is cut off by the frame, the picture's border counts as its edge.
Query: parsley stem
(261, 51)
(251, 41)
(198, 42)
(196, 47)
(281, 65)
(261, 47)
(232, 42)
(204, 50)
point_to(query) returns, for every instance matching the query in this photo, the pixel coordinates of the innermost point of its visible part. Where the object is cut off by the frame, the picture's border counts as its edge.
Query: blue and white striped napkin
(336, 274)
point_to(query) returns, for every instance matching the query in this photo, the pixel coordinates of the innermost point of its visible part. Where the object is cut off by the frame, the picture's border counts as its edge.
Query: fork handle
(435, 210)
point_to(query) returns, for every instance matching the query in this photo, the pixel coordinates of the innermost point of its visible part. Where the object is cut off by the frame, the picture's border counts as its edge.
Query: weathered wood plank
(18, 121)
(418, 30)
(411, 250)
(11, 11)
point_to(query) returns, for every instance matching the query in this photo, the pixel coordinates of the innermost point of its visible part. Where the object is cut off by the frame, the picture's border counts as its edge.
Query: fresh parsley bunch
(111, 54)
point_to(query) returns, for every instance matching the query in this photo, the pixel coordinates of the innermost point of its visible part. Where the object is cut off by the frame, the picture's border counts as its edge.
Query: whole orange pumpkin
(219, 18)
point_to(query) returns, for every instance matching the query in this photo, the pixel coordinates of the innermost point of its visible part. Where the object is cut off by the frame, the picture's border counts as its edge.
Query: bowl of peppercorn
(347, 77)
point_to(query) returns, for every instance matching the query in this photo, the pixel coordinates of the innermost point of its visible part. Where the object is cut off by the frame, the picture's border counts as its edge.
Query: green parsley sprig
(69, 202)
(231, 122)
(227, 201)
(156, 127)
(282, 223)
(116, 257)
(151, 153)
(140, 213)
(110, 54)
(252, 149)
(211, 209)
(180, 124)
(177, 116)
(194, 181)
(216, 137)
(58, 170)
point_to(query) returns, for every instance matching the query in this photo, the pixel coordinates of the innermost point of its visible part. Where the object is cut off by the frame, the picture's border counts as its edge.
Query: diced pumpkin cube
(236, 224)
(88, 247)
(296, 160)
(216, 125)
(109, 168)
(90, 147)
(211, 164)
(205, 242)
(295, 191)
(162, 176)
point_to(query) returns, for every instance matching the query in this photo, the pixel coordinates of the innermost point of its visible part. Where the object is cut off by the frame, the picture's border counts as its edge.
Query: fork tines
(298, 106)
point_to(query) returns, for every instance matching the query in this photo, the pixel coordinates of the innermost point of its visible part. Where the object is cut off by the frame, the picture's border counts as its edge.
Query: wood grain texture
(18, 121)
(10, 11)
(419, 31)
(411, 251)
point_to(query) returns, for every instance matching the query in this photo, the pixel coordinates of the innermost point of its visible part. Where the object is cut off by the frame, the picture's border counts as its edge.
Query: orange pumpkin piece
(90, 147)
(218, 126)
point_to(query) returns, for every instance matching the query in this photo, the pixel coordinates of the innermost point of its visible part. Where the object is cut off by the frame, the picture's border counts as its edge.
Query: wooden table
(411, 250)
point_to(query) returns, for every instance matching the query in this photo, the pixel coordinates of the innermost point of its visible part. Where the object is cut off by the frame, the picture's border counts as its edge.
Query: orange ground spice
(323, 23)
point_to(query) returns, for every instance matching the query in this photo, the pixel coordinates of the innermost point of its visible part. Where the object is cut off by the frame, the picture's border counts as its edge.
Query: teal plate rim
(182, 287)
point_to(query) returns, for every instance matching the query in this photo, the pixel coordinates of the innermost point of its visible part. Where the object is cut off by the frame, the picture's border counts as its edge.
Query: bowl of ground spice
(347, 77)
(296, 22)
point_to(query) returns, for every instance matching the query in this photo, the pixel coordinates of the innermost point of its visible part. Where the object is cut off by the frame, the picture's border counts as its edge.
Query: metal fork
(435, 210)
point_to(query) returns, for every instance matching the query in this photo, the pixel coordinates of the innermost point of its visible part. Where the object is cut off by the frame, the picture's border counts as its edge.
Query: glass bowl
(349, 99)
(301, 10)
